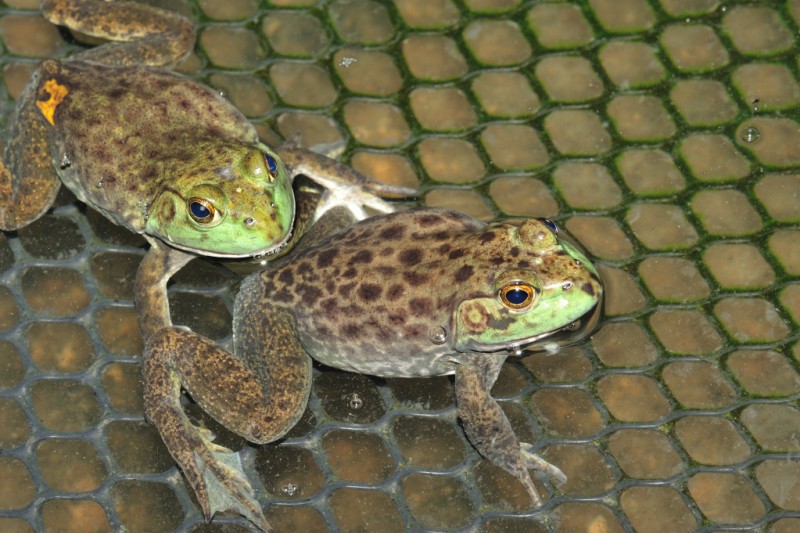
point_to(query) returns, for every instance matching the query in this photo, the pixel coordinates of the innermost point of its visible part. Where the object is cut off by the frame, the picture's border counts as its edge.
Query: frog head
(225, 201)
(548, 292)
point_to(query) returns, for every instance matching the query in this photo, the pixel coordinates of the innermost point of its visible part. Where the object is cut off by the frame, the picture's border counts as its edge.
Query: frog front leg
(488, 428)
(344, 186)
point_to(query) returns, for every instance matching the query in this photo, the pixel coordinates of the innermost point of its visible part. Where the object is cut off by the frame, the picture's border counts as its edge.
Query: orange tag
(57, 93)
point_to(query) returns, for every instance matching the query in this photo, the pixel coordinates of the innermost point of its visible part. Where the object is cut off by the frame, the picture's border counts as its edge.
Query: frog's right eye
(201, 210)
(552, 226)
(272, 165)
(518, 295)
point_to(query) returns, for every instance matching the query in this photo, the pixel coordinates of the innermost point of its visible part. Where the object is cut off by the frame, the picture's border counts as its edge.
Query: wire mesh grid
(662, 134)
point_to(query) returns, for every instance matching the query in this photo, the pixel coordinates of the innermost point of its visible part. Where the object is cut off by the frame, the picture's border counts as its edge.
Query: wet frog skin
(166, 157)
(418, 293)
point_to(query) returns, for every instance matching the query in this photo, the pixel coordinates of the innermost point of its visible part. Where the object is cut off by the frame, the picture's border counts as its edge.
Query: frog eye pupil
(552, 226)
(518, 295)
(272, 165)
(201, 210)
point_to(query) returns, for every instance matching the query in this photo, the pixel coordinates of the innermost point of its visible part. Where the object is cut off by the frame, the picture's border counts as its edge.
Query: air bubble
(355, 402)
(751, 134)
(347, 61)
(438, 335)
(65, 162)
(290, 489)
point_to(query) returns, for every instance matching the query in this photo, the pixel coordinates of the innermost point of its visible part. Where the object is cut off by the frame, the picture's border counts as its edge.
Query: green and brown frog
(412, 294)
(157, 153)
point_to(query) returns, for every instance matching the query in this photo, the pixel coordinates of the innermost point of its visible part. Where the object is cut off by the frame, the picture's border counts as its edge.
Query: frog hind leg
(28, 181)
(214, 472)
(258, 405)
(488, 428)
(144, 35)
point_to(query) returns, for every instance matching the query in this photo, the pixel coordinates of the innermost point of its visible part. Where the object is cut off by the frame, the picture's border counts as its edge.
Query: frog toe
(227, 487)
(535, 462)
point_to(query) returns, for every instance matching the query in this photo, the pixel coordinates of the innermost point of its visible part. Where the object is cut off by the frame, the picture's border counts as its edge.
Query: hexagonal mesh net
(662, 134)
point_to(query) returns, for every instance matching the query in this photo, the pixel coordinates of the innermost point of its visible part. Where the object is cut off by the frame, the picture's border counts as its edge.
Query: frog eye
(552, 226)
(272, 164)
(518, 295)
(201, 210)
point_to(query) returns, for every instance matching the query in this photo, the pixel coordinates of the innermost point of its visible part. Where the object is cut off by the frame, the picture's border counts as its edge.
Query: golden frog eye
(201, 210)
(518, 295)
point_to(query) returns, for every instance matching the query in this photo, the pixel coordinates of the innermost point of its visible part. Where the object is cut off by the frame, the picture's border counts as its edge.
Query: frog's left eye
(272, 165)
(201, 210)
(518, 295)
(552, 226)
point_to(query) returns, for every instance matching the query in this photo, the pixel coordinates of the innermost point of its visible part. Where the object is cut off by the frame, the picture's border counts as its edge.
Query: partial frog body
(411, 294)
(160, 154)
(167, 157)
(402, 295)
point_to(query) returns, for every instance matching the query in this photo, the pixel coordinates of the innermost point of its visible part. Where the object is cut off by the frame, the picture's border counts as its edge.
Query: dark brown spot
(441, 236)
(415, 279)
(398, 318)
(464, 273)
(515, 251)
(487, 237)
(363, 256)
(304, 267)
(369, 292)
(282, 296)
(588, 289)
(350, 273)
(269, 288)
(420, 306)
(429, 220)
(395, 292)
(325, 258)
(443, 249)
(351, 330)
(410, 257)
(392, 232)
(330, 286)
(309, 294)
(286, 277)
(457, 253)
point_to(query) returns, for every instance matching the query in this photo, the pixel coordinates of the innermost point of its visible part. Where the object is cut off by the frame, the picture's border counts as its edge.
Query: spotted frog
(158, 153)
(417, 293)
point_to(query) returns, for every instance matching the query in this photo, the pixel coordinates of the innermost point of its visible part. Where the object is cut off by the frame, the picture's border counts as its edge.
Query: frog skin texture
(166, 157)
(412, 294)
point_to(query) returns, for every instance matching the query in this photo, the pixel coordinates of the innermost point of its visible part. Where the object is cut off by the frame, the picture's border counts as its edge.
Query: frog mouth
(552, 341)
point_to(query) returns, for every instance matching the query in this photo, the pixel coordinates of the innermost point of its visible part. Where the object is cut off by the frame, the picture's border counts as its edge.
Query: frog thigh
(146, 35)
(265, 340)
(28, 181)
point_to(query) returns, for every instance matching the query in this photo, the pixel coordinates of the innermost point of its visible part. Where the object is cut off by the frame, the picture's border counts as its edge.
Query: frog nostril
(249, 222)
